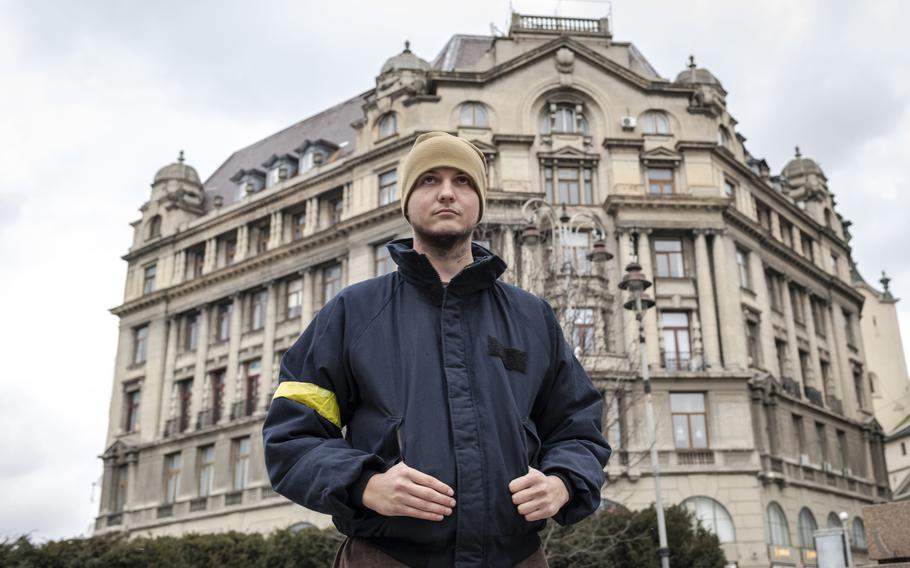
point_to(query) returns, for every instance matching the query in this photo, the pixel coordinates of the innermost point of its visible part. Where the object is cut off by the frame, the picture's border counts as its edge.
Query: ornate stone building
(765, 425)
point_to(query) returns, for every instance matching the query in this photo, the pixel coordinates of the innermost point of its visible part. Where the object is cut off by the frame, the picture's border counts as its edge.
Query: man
(435, 412)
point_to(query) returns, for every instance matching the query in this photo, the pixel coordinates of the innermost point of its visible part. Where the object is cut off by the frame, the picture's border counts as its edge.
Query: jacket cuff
(566, 482)
(356, 490)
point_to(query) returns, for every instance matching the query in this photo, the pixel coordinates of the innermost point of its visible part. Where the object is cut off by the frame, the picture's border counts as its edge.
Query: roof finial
(798, 154)
(691, 62)
(407, 46)
(885, 282)
(180, 157)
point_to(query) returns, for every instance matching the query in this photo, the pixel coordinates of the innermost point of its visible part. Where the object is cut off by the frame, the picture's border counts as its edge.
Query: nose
(446, 190)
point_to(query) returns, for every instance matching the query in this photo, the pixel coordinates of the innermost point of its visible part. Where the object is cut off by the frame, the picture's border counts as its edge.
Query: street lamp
(562, 225)
(843, 516)
(635, 282)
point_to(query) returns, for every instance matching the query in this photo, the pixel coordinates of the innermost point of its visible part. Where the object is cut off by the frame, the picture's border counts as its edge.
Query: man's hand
(403, 491)
(538, 496)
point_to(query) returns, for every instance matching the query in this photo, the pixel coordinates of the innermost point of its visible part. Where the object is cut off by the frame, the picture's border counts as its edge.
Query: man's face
(444, 206)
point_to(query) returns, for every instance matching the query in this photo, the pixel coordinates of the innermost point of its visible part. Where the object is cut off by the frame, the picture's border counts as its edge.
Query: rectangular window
(298, 224)
(335, 207)
(796, 301)
(228, 250)
(753, 344)
(140, 343)
(775, 298)
(675, 329)
(808, 251)
(573, 183)
(660, 181)
(835, 266)
(822, 440)
(575, 251)
(582, 329)
(217, 395)
(259, 238)
(818, 316)
(206, 469)
(131, 398)
(383, 263)
(253, 369)
(184, 403)
(257, 309)
(763, 212)
(294, 298)
(742, 264)
(848, 326)
(171, 477)
(190, 331)
(388, 183)
(689, 420)
(240, 462)
(148, 279)
(799, 434)
(786, 233)
(223, 329)
(729, 188)
(858, 386)
(803, 363)
(331, 281)
(669, 258)
(119, 488)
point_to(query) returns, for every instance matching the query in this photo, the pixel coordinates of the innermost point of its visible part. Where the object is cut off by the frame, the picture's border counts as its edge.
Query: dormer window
(723, 137)
(564, 118)
(248, 181)
(473, 115)
(314, 152)
(655, 122)
(388, 125)
(154, 227)
(279, 168)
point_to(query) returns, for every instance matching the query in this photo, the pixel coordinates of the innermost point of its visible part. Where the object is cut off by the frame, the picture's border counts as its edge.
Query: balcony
(791, 387)
(835, 405)
(205, 418)
(556, 24)
(677, 362)
(814, 396)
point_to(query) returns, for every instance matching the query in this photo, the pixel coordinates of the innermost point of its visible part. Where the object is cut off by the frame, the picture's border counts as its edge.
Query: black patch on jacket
(514, 359)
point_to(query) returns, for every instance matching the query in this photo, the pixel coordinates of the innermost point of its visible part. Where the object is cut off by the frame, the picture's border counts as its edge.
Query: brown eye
(428, 179)
(463, 180)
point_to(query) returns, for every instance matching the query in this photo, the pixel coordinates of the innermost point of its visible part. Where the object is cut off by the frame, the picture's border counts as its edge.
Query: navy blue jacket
(471, 383)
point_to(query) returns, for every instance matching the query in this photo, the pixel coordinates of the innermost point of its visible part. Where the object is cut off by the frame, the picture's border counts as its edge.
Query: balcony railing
(205, 418)
(791, 387)
(836, 405)
(814, 396)
(677, 362)
(559, 24)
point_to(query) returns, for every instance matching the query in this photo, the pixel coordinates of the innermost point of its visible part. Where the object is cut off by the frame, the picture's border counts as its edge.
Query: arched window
(655, 122)
(564, 118)
(807, 526)
(859, 534)
(834, 521)
(388, 125)
(154, 227)
(473, 114)
(713, 517)
(777, 528)
(723, 136)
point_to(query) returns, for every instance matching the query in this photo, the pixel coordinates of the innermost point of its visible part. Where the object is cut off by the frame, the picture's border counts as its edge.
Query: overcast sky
(96, 96)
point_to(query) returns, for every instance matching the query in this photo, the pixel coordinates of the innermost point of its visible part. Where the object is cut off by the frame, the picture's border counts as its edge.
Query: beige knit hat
(441, 149)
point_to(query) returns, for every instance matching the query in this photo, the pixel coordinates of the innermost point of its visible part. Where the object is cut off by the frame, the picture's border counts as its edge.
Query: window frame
(388, 191)
(473, 106)
(584, 181)
(679, 363)
(387, 125)
(205, 470)
(240, 462)
(650, 123)
(669, 256)
(690, 439)
(173, 466)
(666, 186)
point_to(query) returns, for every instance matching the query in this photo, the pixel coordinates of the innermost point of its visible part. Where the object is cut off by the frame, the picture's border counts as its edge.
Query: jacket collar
(417, 269)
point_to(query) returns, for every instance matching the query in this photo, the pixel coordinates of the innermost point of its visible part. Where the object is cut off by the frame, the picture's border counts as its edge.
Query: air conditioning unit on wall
(627, 122)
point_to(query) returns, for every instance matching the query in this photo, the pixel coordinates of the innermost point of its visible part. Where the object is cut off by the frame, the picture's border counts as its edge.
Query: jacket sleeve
(307, 459)
(568, 412)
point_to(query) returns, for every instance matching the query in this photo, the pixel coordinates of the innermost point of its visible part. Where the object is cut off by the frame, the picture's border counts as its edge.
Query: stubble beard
(446, 242)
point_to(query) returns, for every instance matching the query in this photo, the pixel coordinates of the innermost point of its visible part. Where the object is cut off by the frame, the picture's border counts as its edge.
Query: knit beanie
(441, 149)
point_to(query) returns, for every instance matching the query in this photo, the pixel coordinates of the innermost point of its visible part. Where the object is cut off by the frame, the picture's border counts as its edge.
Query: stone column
(276, 230)
(630, 326)
(211, 251)
(651, 331)
(766, 338)
(836, 372)
(795, 237)
(202, 347)
(170, 360)
(312, 216)
(233, 362)
(733, 338)
(775, 225)
(268, 345)
(814, 360)
(795, 372)
(243, 243)
(706, 308)
(179, 267)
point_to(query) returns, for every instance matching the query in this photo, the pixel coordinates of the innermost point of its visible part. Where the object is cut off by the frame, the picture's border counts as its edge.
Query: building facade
(765, 424)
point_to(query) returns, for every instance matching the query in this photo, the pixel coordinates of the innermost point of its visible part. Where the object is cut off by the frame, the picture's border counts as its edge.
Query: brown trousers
(355, 553)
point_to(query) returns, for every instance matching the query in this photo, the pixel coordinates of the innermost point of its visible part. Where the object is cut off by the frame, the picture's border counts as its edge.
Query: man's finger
(531, 506)
(522, 482)
(427, 494)
(526, 495)
(421, 478)
(428, 506)
(406, 511)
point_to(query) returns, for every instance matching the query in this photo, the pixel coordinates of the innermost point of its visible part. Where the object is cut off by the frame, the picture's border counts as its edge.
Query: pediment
(567, 153)
(119, 449)
(661, 155)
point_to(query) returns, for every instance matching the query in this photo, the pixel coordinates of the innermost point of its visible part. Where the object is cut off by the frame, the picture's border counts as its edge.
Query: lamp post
(536, 210)
(635, 281)
(844, 516)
